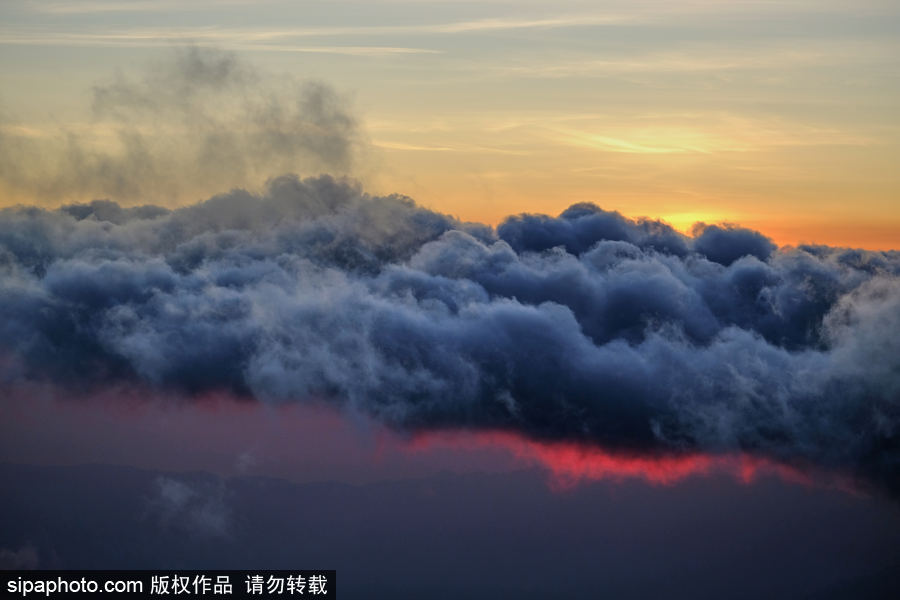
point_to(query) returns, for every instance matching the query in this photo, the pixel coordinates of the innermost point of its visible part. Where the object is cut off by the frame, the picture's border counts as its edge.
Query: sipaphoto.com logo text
(62, 585)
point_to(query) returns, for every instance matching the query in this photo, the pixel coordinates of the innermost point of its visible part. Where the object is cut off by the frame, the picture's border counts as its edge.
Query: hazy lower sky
(782, 116)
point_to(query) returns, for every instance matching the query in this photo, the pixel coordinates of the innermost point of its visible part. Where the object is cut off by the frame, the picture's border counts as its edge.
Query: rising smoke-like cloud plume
(588, 327)
(196, 122)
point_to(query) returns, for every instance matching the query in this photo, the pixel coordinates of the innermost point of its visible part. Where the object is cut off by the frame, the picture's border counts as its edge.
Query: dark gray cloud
(588, 326)
(197, 122)
(727, 243)
(583, 225)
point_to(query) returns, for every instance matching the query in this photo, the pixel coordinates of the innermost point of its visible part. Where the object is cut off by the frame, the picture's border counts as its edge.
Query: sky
(429, 269)
(780, 116)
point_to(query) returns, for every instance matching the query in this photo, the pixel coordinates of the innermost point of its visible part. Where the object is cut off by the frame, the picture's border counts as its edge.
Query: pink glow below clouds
(312, 442)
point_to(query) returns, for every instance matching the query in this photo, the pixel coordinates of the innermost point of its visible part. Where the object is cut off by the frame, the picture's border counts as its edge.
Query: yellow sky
(778, 116)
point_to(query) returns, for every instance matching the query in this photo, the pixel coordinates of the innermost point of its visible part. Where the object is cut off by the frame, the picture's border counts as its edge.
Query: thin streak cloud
(139, 36)
(346, 50)
(133, 6)
(810, 54)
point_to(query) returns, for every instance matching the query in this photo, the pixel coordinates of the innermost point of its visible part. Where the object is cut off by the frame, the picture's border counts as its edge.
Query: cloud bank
(587, 327)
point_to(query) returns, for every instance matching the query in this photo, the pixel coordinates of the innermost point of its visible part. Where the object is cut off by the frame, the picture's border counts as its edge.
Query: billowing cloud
(587, 327)
(198, 122)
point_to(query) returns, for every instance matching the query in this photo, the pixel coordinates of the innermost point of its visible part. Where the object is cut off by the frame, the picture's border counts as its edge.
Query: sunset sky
(780, 116)
(527, 299)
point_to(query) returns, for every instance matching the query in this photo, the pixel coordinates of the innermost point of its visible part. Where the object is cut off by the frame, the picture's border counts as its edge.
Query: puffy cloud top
(587, 326)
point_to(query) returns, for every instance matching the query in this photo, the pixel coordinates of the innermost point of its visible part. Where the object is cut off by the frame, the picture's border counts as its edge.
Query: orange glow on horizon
(876, 232)
(470, 201)
(571, 463)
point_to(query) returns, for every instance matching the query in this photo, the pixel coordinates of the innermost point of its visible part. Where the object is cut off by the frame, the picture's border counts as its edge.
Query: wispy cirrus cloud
(699, 133)
(709, 58)
(631, 8)
(137, 36)
(131, 6)
(245, 40)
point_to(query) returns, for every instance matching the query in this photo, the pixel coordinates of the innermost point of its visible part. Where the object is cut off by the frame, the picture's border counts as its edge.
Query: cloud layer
(587, 327)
